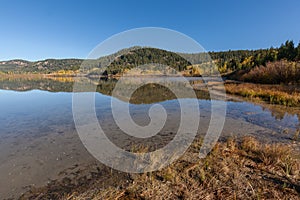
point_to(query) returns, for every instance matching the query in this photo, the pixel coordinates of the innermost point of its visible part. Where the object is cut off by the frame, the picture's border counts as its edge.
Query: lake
(39, 142)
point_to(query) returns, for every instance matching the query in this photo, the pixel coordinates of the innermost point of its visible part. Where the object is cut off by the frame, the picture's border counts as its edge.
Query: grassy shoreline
(244, 169)
(287, 95)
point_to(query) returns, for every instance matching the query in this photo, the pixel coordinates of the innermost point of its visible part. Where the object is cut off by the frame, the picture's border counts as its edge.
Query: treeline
(228, 61)
(270, 66)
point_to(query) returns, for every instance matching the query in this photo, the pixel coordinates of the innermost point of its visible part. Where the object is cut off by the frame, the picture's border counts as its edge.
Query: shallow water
(38, 139)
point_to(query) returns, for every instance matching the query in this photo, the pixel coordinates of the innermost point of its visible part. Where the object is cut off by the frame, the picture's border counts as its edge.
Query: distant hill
(43, 66)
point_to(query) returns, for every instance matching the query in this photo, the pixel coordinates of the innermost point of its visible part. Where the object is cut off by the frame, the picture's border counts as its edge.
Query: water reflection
(150, 93)
(266, 115)
(106, 86)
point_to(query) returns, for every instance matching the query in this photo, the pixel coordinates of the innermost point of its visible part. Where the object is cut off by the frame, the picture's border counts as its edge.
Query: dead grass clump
(296, 135)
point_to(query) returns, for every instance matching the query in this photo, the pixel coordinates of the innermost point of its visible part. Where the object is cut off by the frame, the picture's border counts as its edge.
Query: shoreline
(233, 164)
(286, 95)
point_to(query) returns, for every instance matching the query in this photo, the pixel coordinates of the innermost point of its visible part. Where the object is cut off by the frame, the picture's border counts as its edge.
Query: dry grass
(233, 170)
(274, 94)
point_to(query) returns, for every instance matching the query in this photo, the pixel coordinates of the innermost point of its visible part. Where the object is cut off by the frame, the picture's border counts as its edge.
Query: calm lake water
(38, 139)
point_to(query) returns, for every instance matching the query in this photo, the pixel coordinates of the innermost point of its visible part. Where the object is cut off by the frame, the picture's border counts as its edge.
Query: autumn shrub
(280, 72)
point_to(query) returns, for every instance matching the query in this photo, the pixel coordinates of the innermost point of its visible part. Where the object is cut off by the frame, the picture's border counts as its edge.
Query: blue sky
(36, 30)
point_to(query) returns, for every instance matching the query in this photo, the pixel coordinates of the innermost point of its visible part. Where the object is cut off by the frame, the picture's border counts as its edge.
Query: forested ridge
(226, 61)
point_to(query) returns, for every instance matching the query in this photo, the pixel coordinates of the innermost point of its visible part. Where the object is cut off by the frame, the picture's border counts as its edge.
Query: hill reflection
(146, 94)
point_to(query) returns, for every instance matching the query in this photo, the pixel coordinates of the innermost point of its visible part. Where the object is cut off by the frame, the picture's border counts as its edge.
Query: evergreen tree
(287, 51)
(298, 52)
